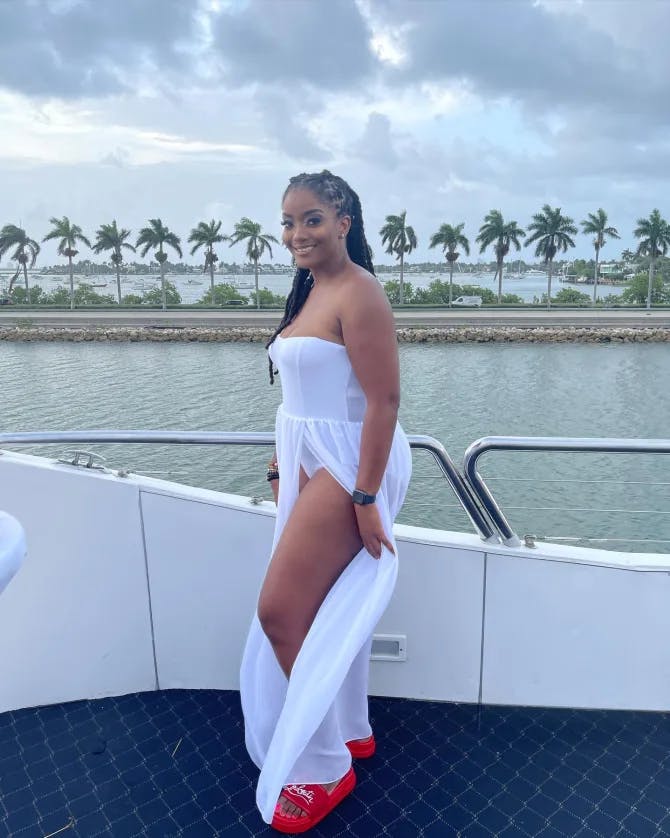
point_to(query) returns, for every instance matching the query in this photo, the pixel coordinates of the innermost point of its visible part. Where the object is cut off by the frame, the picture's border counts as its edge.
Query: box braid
(336, 192)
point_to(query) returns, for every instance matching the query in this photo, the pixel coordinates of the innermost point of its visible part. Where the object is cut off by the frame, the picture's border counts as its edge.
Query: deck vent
(389, 647)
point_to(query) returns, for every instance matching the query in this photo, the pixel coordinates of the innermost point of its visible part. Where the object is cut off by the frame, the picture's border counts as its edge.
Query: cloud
(376, 143)
(526, 51)
(131, 108)
(91, 47)
(325, 45)
(286, 125)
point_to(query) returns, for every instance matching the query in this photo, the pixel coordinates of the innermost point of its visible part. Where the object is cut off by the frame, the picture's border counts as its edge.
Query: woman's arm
(368, 330)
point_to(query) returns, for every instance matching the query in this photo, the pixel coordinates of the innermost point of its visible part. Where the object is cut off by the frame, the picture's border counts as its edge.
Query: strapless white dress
(296, 729)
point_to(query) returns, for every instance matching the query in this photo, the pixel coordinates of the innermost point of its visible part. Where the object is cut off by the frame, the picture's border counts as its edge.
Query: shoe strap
(306, 796)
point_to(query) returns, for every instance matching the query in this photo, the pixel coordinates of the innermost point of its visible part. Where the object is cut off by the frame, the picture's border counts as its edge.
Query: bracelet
(272, 474)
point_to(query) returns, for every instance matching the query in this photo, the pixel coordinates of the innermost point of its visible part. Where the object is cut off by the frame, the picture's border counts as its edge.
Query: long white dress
(296, 729)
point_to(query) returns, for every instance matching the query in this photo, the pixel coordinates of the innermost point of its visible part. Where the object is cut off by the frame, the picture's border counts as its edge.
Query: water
(455, 393)
(192, 287)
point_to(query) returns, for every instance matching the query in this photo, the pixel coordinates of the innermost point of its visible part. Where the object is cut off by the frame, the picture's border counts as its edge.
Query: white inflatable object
(12, 548)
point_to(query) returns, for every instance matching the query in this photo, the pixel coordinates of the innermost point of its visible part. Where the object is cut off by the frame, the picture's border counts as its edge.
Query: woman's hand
(371, 529)
(273, 466)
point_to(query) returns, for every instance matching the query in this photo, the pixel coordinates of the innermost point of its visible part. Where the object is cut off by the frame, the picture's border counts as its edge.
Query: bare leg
(319, 540)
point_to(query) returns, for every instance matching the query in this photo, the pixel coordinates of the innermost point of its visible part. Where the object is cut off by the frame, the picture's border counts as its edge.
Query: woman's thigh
(319, 540)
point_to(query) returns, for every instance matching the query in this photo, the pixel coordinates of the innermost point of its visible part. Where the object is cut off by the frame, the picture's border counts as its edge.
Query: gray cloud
(323, 44)
(376, 144)
(87, 48)
(521, 50)
(282, 124)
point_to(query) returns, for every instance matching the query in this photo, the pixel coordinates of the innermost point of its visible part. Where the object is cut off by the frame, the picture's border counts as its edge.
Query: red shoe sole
(362, 748)
(295, 826)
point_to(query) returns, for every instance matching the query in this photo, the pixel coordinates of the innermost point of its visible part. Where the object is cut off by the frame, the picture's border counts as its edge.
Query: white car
(467, 301)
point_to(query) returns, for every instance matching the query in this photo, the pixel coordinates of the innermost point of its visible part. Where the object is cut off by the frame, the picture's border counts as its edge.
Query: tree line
(110, 238)
(549, 230)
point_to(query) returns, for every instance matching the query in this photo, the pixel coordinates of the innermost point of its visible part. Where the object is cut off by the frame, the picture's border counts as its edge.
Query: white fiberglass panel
(74, 622)
(206, 564)
(571, 634)
(437, 606)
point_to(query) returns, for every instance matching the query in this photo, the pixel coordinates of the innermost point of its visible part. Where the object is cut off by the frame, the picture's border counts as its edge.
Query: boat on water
(241, 284)
(519, 687)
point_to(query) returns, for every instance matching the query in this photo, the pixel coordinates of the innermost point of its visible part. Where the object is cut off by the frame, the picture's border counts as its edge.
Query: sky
(188, 111)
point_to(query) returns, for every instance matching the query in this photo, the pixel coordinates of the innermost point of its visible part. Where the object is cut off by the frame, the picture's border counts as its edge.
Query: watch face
(362, 498)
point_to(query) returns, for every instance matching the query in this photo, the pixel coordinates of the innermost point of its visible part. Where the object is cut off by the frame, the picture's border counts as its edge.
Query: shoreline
(415, 334)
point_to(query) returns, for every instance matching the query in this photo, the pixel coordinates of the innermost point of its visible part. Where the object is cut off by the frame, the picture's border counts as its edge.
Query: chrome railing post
(539, 443)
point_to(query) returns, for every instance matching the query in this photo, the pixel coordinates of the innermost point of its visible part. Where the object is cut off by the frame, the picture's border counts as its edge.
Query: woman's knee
(278, 620)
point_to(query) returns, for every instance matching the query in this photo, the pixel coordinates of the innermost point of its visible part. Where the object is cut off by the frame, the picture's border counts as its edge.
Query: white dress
(296, 729)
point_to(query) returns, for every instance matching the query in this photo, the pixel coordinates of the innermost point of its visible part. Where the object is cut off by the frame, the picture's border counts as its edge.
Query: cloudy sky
(132, 109)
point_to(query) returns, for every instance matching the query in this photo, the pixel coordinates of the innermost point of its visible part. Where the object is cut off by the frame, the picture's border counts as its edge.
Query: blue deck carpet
(173, 764)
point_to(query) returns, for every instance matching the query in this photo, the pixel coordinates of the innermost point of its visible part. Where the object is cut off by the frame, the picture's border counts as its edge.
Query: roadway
(425, 318)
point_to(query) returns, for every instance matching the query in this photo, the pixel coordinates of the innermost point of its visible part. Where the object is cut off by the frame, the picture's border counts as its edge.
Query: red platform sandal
(362, 748)
(314, 800)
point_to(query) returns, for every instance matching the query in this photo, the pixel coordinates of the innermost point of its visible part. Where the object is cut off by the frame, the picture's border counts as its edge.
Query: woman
(340, 475)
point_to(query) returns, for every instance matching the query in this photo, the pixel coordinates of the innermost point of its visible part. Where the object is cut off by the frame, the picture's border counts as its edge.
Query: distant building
(610, 269)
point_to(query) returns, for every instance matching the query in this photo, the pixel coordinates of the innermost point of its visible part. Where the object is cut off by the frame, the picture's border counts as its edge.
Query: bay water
(455, 393)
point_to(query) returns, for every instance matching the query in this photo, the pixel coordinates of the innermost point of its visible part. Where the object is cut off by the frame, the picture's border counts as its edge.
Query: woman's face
(313, 232)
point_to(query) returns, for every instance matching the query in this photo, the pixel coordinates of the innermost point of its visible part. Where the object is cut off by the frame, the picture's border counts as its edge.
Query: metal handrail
(540, 443)
(427, 443)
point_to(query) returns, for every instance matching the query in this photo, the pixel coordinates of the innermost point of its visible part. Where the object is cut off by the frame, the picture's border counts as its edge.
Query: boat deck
(174, 764)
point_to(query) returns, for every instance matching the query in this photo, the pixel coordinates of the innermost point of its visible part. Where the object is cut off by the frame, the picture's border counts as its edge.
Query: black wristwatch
(362, 498)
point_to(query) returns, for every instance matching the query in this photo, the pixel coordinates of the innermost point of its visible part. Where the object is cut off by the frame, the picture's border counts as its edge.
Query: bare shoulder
(363, 294)
(364, 306)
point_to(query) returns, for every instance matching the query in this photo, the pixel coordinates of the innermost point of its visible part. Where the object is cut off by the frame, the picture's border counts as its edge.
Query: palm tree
(627, 255)
(552, 232)
(109, 237)
(156, 235)
(207, 235)
(596, 225)
(26, 250)
(501, 234)
(399, 239)
(450, 238)
(654, 233)
(69, 234)
(257, 243)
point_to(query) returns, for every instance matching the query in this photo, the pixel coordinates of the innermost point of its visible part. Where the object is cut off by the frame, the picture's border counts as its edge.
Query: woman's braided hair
(336, 192)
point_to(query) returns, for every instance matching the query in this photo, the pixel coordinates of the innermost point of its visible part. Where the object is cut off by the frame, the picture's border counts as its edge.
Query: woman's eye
(285, 223)
(314, 221)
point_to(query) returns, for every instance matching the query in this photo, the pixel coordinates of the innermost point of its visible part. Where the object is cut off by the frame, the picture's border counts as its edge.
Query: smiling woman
(345, 465)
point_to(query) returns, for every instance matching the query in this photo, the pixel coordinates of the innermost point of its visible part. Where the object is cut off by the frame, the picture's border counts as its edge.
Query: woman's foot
(300, 807)
(289, 808)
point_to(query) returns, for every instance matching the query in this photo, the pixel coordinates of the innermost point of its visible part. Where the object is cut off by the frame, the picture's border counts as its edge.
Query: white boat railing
(461, 489)
(544, 444)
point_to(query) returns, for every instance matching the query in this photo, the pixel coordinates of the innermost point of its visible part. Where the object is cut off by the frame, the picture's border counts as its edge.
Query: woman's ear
(345, 226)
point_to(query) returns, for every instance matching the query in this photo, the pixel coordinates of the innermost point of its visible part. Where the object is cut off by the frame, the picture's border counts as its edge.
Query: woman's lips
(304, 250)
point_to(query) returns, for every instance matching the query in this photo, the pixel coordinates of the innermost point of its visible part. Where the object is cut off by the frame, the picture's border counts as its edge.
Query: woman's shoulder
(363, 295)
(362, 284)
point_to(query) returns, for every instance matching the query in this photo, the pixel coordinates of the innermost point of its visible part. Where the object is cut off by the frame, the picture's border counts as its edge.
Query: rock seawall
(443, 334)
